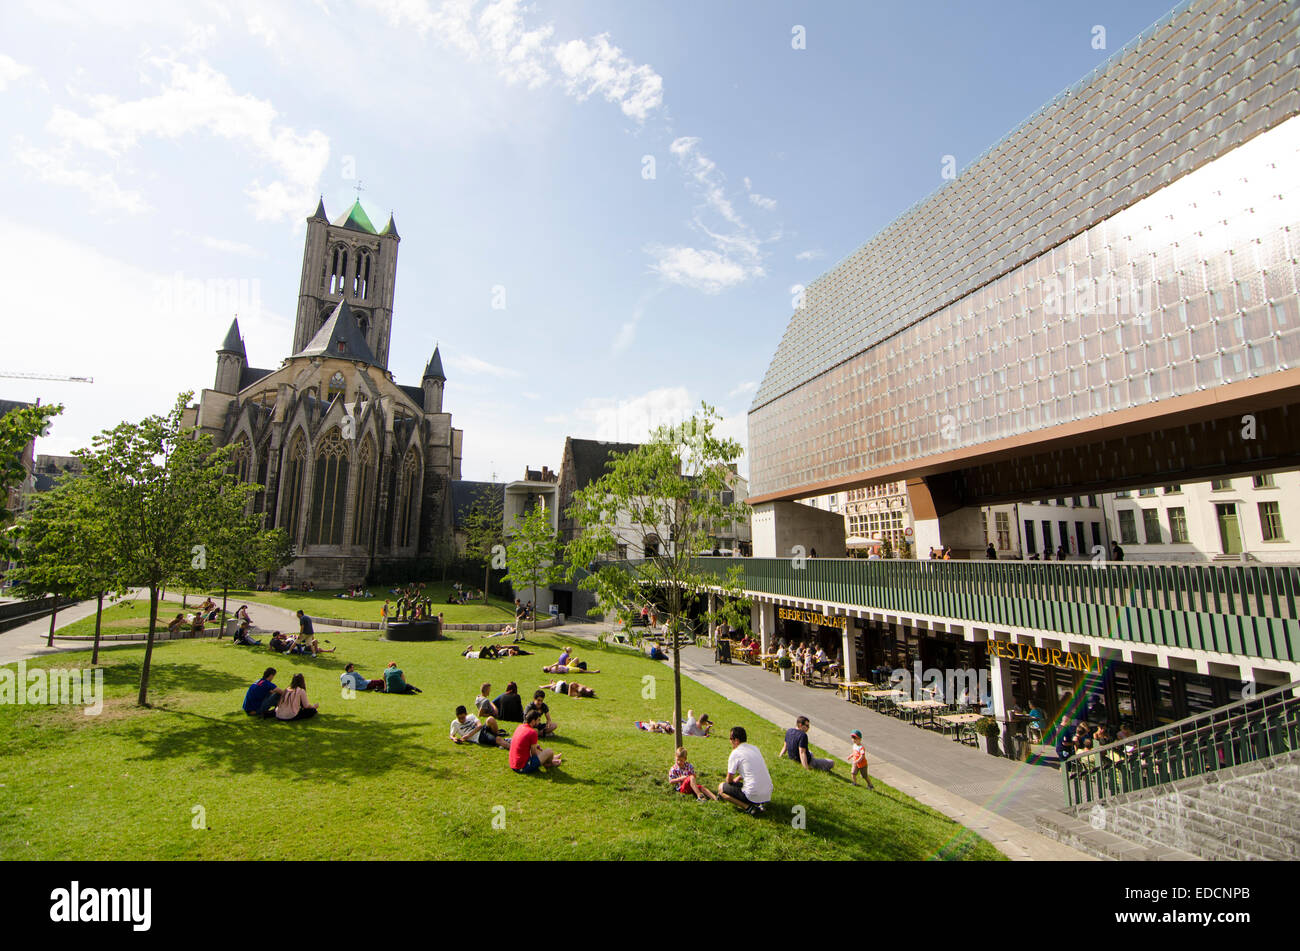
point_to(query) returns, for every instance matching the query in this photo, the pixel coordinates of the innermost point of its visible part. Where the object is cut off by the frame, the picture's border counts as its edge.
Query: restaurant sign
(1071, 660)
(808, 617)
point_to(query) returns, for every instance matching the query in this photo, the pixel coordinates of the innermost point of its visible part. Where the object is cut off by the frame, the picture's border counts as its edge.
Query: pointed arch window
(361, 278)
(338, 269)
(295, 469)
(241, 459)
(329, 491)
(408, 482)
(364, 502)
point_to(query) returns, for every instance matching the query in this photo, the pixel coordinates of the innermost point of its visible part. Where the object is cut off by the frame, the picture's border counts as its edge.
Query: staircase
(1224, 785)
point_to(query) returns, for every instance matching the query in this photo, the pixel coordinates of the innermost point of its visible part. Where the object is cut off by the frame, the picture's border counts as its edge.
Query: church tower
(348, 260)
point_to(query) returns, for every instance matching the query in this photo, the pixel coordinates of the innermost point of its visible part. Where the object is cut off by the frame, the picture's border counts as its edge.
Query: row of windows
(1270, 524)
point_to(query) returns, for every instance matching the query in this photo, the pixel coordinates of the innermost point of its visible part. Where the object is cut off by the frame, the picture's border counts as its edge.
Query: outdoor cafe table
(960, 720)
(920, 707)
(877, 698)
(853, 689)
(768, 661)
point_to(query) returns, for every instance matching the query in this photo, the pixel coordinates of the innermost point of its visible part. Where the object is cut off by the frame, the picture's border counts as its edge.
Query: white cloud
(469, 364)
(702, 269)
(496, 31)
(199, 100)
(743, 388)
(757, 200)
(531, 396)
(10, 70)
(56, 167)
(812, 254)
(635, 418)
(221, 244)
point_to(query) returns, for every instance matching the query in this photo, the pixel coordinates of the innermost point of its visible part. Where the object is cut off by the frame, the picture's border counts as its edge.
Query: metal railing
(1251, 610)
(1241, 732)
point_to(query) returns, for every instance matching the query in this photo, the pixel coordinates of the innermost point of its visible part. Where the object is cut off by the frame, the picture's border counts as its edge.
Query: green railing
(1241, 732)
(1244, 610)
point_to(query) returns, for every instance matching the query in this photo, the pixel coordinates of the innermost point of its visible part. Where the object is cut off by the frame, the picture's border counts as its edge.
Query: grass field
(132, 617)
(377, 777)
(323, 603)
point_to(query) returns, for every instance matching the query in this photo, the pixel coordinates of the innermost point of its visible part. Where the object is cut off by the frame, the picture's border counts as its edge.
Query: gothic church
(355, 467)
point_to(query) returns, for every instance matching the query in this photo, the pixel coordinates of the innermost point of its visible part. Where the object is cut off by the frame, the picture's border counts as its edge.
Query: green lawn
(132, 617)
(324, 603)
(376, 776)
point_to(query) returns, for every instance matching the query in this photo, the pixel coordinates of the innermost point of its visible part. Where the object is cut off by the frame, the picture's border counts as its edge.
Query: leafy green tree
(241, 549)
(485, 532)
(669, 488)
(532, 554)
(165, 495)
(61, 550)
(18, 428)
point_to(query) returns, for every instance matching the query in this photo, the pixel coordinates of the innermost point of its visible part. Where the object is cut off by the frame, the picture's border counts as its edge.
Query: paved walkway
(996, 797)
(28, 640)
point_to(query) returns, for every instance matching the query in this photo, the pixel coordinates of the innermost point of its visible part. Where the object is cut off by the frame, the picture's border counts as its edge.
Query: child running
(683, 774)
(858, 760)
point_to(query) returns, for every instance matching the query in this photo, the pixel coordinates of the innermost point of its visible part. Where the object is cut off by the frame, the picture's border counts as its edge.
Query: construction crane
(41, 376)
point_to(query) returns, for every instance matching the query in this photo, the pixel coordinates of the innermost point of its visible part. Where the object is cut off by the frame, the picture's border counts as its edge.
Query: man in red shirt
(526, 756)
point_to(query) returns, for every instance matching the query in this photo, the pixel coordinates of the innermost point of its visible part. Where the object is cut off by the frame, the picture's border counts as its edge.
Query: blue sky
(163, 148)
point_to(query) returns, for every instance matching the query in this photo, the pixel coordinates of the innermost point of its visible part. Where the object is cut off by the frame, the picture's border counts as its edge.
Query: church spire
(233, 343)
(391, 228)
(320, 211)
(434, 370)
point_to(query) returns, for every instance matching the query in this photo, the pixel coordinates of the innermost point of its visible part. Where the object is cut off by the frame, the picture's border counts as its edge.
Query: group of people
(357, 591)
(392, 681)
(411, 605)
(265, 699)
(527, 755)
(492, 652)
(523, 611)
(1083, 736)
(807, 660)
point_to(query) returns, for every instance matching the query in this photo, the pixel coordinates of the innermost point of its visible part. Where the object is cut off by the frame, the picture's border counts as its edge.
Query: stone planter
(787, 674)
(990, 744)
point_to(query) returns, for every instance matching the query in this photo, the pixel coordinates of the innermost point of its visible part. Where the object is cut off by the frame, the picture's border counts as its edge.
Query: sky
(606, 209)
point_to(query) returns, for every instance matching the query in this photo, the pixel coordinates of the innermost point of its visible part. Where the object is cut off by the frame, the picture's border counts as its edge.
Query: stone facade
(355, 467)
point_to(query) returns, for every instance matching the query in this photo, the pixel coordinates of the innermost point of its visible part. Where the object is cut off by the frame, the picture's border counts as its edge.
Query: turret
(231, 361)
(433, 382)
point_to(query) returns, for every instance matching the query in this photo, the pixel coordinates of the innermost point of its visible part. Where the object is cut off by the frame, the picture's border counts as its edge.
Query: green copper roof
(356, 220)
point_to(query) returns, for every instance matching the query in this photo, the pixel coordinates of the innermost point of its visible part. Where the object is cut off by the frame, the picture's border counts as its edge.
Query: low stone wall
(160, 635)
(378, 625)
(1245, 812)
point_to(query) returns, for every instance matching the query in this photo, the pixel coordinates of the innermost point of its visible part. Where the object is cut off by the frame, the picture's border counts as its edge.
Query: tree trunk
(99, 614)
(225, 591)
(534, 609)
(143, 699)
(675, 607)
(54, 612)
(487, 580)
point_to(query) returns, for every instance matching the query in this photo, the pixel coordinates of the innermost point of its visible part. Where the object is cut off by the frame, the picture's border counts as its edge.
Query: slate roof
(355, 220)
(233, 343)
(589, 458)
(465, 493)
(339, 328)
(434, 370)
(250, 375)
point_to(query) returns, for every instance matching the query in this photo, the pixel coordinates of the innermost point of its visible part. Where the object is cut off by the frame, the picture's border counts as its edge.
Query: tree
(531, 554)
(165, 494)
(669, 488)
(18, 428)
(61, 550)
(242, 548)
(485, 531)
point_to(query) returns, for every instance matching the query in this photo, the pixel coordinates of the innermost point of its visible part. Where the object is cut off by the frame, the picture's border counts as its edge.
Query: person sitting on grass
(526, 752)
(796, 747)
(492, 735)
(465, 728)
(748, 785)
(858, 759)
(682, 774)
(694, 727)
(351, 677)
(483, 702)
(261, 698)
(395, 682)
(175, 624)
(279, 643)
(244, 638)
(294, 705)
(545, 725)
(509, 705)
(196, 625)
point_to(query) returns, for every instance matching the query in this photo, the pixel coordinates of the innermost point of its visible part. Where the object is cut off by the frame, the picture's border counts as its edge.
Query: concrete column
(940, 519)
(1000, 685)
(849, 652)
(765, 613)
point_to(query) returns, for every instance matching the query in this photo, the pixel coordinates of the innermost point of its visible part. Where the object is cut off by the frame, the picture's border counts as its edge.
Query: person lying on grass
(526, 753)
(654, 726)
(395, 681)
(570, 687)
(577, 666)
(682, 774)
(293, 705)
(491, 652)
